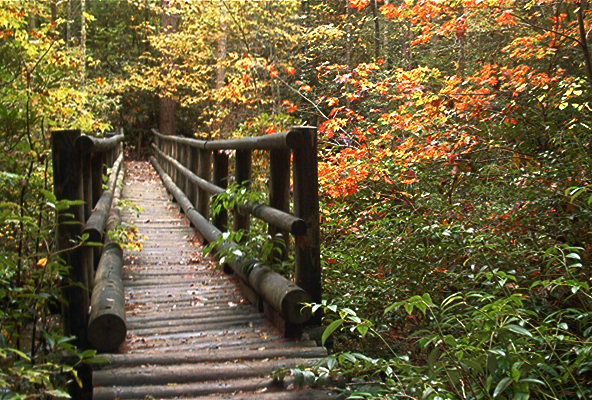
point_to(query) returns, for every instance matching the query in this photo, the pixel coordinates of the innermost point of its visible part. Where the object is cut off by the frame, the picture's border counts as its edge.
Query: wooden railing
(79, 164)
(195, 170)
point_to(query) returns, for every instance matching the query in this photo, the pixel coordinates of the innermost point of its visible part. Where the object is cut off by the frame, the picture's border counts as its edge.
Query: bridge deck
(191, 333)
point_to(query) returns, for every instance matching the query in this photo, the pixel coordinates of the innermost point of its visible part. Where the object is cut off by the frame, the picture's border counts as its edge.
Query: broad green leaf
(330, 329)
(518, 329)
(58, 393)
(501, 386)
(363, 329)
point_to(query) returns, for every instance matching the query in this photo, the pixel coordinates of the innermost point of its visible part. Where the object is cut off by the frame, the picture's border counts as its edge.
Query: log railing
(195, 170)
(79, 164)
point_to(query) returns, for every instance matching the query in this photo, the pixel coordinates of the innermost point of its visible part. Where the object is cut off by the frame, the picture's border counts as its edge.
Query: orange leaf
(359, 4)
(291, 71)
(331, 101)
(306, 88)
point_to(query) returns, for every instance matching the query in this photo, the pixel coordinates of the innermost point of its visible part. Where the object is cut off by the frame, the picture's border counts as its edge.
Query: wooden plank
(185, 373)
(184, 390)
(211, 356)
(305, 394)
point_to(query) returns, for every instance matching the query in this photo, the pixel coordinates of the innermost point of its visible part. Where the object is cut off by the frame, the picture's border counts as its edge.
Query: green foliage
(255, 245)
(126, 234)
(41, 90)
(502, 343)
(235, 197)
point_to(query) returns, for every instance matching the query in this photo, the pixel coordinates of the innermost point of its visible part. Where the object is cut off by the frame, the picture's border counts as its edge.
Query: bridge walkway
(190, 332)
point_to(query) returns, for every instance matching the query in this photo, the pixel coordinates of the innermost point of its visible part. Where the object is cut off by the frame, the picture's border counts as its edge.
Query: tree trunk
(376, 29)
(348, 43)
(167, 107)
(82, 41)
(222, 49)
(69, 23)
(385, 40)
(584, 39)
(54, 11)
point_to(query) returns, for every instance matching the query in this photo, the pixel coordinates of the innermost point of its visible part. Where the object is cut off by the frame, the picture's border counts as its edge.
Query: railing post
(306, 206)
(167, 151)
(243, 177)
(172, 146)
(97, 162)
(68, 185)
(87, 196)
(204, 171)
(279, 189)
(193, 165)
(221, 179)
(96, 176)
(178, 158)
(185, 154)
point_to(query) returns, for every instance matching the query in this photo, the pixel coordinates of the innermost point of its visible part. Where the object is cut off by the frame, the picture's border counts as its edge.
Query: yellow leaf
(42, 263)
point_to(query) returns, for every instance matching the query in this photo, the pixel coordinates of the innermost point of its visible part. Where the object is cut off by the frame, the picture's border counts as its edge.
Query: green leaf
(330, 329)
(532, 380)
(363, 329)
(58, 393)
(19, 353)
(518, 329)
(427, 299)
(501, 386)
(392, 307)
(409, 308)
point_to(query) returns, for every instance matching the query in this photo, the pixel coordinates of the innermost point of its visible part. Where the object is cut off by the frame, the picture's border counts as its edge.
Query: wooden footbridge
(167, 321)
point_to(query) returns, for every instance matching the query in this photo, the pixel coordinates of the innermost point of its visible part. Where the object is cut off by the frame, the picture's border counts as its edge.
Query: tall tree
(167, 105)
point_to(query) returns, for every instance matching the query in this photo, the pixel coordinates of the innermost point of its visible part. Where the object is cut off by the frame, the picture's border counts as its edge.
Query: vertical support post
(175, 156)
(168, 152)
(86, 163)
(96, 176)
(192, 164)
(171, 154)
(178, 157)
(110, 159)
(306, 206)
(243, 177)
(221, 180)
(186, 155)
(204, 171)
(68, 186)
(279, 189)
(87, 186)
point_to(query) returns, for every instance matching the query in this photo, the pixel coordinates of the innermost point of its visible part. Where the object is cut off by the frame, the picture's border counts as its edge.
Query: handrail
(278, 218)
(186, 167)
(92, 144)
(286, 140)
(95, 225)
